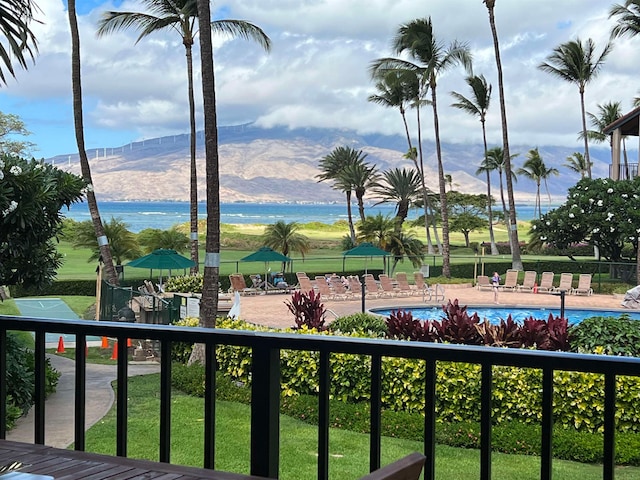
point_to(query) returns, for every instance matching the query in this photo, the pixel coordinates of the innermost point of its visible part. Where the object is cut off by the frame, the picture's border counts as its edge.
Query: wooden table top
(72, 465)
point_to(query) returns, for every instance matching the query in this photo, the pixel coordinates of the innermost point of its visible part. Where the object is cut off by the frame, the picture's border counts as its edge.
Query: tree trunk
(76, 83)
(512, 224)
(492, 238)
(584, 132)
(420, 168)
(209, 301)
(446, 269)
(352, 230)
(193, 199)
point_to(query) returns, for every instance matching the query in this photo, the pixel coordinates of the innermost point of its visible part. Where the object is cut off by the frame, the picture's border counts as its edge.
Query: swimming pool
(519, 314)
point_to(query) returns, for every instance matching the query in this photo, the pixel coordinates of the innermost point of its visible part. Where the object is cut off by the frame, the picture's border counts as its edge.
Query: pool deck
(271, 310)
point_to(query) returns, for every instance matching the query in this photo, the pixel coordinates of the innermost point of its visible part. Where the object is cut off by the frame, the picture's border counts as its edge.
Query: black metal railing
(265, 398)
(626, 171)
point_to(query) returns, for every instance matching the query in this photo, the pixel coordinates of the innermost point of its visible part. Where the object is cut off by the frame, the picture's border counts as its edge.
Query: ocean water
(164, 215)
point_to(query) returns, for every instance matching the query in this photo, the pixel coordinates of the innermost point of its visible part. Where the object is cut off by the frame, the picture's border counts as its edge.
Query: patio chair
(584, 285)
(403, 285)
(304, 284)
(407, 468)
(529, 281)
(566, 283)
(511, 281)
(388, 287)
(546, 282)
(239, 285)
(340, 292)
(372, 288)
(483, 282)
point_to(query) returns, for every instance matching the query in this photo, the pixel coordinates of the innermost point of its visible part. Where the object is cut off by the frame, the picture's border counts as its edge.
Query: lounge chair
(483, 282)
(372, 288)
(304, 283)
(403, 285)
(546, 282)
(238, 284)
(387, 285)
(529, 281)
(340, 292)
(407, 468)
(584, 285)
(566, 283)
(511, 281)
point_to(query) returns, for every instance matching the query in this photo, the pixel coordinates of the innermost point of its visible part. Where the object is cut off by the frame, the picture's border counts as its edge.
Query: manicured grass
(8, 307)
(298, 443)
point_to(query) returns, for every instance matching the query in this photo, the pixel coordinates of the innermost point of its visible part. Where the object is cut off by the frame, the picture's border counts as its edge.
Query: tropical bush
(21, 378)
(606, 335)
(374, 325)
(185, 284)
(578, 397)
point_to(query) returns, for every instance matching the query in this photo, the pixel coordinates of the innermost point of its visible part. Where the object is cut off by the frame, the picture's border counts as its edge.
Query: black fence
(265, 398)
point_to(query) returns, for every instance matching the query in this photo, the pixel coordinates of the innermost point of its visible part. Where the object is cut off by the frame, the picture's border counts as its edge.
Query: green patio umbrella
(162, 259)
(366, 250)
(266, 255)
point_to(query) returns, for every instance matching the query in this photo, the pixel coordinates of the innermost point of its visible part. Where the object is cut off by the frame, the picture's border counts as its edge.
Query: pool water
(518, 314)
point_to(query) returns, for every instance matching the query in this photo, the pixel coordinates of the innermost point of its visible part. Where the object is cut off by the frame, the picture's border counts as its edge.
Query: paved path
(59, 407)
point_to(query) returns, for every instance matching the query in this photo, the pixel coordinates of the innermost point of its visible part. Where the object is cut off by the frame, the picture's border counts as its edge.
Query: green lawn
(298, 443)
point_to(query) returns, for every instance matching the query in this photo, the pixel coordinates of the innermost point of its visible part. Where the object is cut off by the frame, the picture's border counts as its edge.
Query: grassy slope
(298, 443)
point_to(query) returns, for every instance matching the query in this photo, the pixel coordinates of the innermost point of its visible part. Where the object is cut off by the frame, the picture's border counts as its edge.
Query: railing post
(40, 382)
(609, 460)
(323, 416)
(430, 420)
(546, 454)
(485, 421)
(3, 383)
(376, 413)
(265, 411)
(80, 414)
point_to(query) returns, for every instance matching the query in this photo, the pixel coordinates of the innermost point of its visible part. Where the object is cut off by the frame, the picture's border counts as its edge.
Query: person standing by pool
(495, 281)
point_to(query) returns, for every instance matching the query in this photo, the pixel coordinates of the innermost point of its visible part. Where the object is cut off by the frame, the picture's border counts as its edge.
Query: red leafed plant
(551, 334)
(308, 310)
(402, 325)
(458, 326)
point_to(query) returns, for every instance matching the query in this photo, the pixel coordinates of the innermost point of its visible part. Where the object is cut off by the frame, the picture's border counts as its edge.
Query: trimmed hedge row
(508, 437)
(578, 397)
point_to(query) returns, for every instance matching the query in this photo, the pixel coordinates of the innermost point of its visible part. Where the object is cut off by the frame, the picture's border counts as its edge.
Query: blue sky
(316, 74)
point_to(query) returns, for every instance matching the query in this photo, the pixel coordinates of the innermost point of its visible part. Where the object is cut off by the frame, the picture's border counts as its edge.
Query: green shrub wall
(578, 397)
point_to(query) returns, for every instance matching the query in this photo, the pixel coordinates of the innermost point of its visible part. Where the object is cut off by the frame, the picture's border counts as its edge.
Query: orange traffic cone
(60, 346)
(105, 342)
(114, 354)
(128, 342)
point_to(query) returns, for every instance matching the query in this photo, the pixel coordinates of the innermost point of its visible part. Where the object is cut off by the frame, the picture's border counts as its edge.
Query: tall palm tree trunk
(352, 230)
(538, 199)
(446, 268)
(492, 238)
(209, 300)
(516, 258)
(584, 132)
(193, 207)
(428, 210)
(76, 83)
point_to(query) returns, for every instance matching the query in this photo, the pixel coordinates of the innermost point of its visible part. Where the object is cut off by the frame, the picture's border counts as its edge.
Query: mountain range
(280, 165)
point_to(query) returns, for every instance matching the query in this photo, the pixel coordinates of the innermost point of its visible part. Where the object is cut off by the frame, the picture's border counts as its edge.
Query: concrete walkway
(59, 407)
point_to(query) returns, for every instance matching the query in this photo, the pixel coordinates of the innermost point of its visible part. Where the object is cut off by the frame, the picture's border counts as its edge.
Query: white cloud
(317, 72)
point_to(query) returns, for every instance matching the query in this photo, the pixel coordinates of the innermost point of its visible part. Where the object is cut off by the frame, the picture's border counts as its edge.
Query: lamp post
(561, 294)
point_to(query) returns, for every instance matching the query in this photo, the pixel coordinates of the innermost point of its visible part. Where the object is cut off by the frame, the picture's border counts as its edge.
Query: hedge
(578, 397)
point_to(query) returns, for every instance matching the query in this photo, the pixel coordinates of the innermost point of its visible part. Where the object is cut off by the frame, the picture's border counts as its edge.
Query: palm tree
(361, 176)
(399, 186)
(628, 18)
(15, 17)
(76, 86)
(122, 242)
(535, 169)
(418, 40)
(477, 106)
(285, 237)
(181, 15)
(400, 88)
(333, 167)
(577, 163)
(209, 301)
(154, 238)
(516, 259)
(607, 113)
(403, 244)
(377, 230)
(576, 62)
(494, 161)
